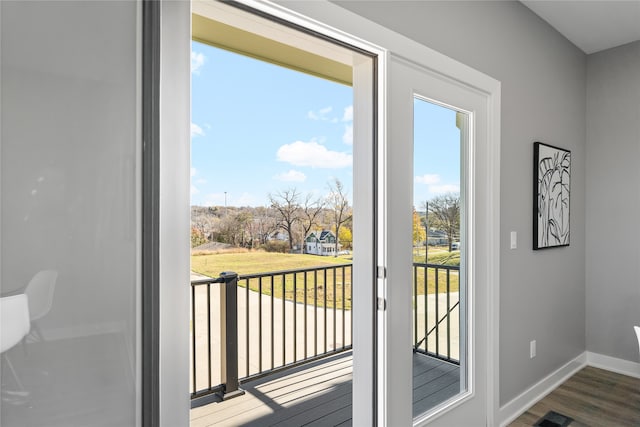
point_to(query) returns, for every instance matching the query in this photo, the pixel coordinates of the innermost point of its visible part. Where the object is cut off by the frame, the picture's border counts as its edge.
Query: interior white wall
(70, 149)
(543, 78)
(613, 201)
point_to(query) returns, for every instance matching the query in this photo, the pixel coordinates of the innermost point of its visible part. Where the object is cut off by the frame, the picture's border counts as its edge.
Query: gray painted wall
(543, 99)
(613, 201)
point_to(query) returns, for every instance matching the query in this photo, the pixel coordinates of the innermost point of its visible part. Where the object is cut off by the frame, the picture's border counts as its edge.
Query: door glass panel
(438, 254)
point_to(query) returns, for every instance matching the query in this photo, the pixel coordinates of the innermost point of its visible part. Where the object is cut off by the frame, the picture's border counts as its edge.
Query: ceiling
(592, 25)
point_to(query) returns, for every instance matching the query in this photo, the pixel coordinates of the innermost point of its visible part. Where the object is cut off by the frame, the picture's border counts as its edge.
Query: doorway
(294, 320)
(382, 382)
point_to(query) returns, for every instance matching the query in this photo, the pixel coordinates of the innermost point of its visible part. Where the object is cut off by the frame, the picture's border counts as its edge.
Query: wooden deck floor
(319, 394)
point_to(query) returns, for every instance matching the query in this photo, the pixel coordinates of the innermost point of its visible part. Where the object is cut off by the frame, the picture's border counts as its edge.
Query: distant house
(437, 238)
(321, 243)
(278, 235)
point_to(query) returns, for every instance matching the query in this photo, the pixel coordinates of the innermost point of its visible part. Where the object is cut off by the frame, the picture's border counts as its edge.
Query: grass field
(258, 262)
(319, 285)
(333, 288)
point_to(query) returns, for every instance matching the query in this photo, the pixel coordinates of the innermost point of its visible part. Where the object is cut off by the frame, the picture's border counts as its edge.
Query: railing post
(229, 336)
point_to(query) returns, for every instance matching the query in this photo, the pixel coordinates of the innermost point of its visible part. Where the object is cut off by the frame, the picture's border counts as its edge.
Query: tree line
(441, 213)
(295, 215)
(290, 212)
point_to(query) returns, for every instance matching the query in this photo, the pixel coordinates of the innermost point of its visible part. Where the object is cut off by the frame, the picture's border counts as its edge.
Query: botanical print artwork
(552, 192)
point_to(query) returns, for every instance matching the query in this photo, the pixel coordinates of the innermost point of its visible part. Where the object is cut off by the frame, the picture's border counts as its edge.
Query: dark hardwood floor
(592, 397)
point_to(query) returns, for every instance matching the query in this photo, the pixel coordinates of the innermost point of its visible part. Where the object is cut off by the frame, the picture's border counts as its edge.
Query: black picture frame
(551, 196)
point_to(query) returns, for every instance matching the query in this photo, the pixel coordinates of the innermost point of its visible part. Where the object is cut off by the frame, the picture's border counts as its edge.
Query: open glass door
(434, 334)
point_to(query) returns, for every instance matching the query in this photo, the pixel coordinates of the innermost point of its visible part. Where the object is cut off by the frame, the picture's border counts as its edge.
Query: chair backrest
(637, 328)
(14, 320)
(40, 292)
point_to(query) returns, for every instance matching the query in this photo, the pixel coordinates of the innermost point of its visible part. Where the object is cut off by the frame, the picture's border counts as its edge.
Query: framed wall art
(551, 196)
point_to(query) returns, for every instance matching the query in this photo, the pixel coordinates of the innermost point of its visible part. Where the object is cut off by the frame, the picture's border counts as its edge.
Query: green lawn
(249, 263)
(258, 262)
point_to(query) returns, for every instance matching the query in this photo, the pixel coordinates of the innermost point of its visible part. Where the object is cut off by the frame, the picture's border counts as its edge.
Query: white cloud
(434, 186)
(193, 171)
(291, 176)
(428, 179)
(322, 115)
(347, 136)
(314, 155)
(348, 114)
(197, 61)
(196, 130)
(444, 188)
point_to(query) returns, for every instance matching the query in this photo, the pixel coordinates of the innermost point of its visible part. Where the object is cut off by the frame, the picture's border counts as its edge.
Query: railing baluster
(437, 299)
(344, 301)
(284, 320)
(247, 310)
(448, 314)
(295, 317)
(415, 306)
(426, 307)
(272, 324)
(315, 312)
(260, 324)
(193, 337)
(324, 291)
(335, 306)
(305, 315)
(209, 350)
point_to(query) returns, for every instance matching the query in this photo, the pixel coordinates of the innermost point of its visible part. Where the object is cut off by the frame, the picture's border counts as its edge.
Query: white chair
(637, 328)
(14, 326)
(40, 291)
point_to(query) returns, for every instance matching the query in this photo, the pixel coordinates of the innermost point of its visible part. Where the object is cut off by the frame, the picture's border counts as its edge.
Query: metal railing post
(229, 336)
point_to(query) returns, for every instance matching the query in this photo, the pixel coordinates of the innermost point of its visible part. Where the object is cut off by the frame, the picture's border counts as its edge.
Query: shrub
(276, 246)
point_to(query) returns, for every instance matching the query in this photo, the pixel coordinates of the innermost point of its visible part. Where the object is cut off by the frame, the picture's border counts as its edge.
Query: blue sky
(436, 143)
(258, 128)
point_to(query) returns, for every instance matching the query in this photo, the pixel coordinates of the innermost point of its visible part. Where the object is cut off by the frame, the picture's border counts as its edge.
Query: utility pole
(426, 229)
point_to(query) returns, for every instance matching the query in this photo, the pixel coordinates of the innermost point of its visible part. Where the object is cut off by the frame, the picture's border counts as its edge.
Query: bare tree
(264, 224)
(310, 214)
(338, 202)
(445, 215)
(287, 205)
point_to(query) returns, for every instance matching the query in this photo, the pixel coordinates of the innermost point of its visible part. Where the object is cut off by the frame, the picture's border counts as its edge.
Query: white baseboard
(517, 406)
(613, 364)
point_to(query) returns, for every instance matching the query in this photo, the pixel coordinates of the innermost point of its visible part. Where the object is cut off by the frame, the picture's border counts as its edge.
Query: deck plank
(318, 394)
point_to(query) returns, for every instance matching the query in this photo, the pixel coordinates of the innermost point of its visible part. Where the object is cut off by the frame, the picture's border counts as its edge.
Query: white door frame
(339, 23)
(409, 81)
(333, 21)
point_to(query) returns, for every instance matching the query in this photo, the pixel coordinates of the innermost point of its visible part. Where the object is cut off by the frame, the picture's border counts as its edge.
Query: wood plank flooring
(592, 397)
(319, 394)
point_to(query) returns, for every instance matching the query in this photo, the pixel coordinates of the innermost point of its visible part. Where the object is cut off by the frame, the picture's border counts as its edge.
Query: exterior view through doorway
(382, 205)
(275, 201)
